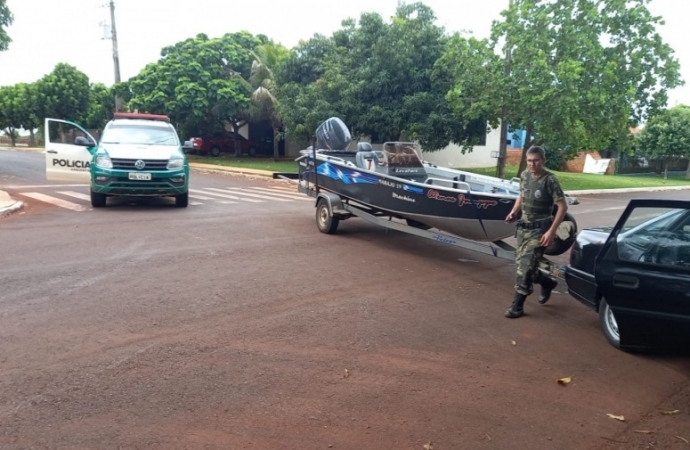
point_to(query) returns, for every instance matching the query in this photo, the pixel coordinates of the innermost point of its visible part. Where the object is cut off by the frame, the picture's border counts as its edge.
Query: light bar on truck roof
(141, 116)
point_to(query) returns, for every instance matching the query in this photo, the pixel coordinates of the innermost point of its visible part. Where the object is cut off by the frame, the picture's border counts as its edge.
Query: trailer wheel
(325, 221)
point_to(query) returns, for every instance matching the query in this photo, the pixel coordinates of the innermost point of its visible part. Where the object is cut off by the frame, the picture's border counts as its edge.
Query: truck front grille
(150, 164)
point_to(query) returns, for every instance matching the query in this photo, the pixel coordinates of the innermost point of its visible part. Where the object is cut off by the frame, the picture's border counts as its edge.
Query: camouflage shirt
(539, 195)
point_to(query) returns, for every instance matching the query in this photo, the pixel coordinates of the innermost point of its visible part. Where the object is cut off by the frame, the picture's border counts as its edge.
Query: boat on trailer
(443, 204)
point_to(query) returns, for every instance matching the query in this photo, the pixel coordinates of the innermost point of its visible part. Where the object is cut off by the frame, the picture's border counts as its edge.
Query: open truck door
(68, 149)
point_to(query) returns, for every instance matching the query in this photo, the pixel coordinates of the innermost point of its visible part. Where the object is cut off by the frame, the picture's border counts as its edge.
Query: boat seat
(366, 158)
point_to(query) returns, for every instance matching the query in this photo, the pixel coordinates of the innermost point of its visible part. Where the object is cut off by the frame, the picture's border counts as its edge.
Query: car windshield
(142, 135)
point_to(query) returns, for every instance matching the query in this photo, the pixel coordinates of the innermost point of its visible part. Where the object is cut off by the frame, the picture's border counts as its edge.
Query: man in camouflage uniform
(537, 228)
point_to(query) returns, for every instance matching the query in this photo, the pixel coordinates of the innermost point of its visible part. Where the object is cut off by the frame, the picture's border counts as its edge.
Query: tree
(6, 20)
(582, 71)
(379, 77)
(667, 136)
(101, 106)
(199, 81)
(263, 85)
(11, 107)
(64, 94)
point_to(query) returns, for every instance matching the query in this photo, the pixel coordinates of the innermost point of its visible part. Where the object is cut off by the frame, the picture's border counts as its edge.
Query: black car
(637, 275)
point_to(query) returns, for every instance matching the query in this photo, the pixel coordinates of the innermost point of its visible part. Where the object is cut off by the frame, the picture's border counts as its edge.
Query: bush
(555, 159)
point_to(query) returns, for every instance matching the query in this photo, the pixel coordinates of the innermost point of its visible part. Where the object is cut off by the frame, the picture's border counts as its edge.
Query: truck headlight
(175, 163)
(104, 162)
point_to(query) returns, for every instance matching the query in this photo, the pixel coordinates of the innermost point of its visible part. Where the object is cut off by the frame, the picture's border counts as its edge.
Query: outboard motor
(333, 134)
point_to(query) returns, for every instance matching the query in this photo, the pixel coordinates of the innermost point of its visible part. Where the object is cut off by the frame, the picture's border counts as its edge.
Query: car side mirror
(83, 141)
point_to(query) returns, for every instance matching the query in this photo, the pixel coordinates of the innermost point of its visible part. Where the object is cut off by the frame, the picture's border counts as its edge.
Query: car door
(643, 273)
(68, 149)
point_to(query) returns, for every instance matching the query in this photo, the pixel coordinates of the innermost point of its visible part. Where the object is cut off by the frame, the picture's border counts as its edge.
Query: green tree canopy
(6, 19)
(667, 136)
(64, 93)
(199, 82)
(10, 111)
(581, 71)
(101, 106)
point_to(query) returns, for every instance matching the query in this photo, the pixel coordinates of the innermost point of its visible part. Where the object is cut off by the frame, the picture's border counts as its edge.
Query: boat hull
(467, 214)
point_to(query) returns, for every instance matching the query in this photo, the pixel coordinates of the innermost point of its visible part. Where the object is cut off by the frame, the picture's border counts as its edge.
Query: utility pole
(503, 146)
(116, 56)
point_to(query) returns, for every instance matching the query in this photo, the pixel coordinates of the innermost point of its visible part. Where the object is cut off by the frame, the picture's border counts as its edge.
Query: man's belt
(543, 224)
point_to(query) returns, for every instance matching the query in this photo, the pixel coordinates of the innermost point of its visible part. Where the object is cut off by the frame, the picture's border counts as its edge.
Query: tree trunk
(276, 149)
(32, 138)
(13, 137)
(666, 169)
(236, 134)
(528, 143)
(687, 171)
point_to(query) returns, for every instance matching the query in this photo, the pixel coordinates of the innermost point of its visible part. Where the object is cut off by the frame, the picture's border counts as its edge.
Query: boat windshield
(401, 154)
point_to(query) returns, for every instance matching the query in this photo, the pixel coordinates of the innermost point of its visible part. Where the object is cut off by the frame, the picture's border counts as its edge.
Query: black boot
(515, 309)
(548, 284)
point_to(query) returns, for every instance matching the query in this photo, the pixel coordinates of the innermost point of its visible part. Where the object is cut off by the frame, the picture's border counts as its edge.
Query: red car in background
(221, 142)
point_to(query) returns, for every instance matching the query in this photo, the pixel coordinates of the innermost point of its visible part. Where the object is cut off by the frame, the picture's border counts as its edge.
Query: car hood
(138, 151)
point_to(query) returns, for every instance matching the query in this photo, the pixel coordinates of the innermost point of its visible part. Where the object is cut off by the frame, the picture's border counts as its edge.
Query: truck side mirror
(83, 141)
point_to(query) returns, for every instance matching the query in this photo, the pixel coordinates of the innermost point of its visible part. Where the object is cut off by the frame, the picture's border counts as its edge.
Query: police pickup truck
(137, 155)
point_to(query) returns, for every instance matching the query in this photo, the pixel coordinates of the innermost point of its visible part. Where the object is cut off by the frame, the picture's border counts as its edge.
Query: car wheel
(97, 199)
(215, 151)
(325, 220)
(609, 325)
(182, 200)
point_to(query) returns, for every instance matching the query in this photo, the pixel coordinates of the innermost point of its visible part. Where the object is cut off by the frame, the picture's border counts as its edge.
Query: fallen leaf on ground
(513, 342)
(429, 446)
(564, 381)
(670, 413)
(683, 439)
(613, 416)
(346, 374)
(644, 431)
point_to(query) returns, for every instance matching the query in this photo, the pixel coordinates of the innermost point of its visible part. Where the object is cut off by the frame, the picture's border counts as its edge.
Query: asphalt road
(235, 324)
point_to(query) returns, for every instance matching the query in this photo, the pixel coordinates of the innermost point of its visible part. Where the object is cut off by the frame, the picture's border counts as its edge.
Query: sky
(48, 32)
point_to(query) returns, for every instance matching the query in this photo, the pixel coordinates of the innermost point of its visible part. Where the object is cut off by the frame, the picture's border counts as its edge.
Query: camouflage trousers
(530, 261)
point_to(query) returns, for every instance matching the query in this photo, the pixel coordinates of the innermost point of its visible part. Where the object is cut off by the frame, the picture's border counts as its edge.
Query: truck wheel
(182, 200)
(325, 220)
(97, 199)
(608, 324)
(215, 151)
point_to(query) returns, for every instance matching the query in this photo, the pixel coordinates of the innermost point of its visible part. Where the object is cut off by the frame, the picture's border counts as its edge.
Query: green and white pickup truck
(137, 155)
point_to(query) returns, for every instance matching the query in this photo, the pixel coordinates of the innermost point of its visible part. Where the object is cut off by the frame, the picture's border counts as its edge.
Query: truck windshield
(142, 135)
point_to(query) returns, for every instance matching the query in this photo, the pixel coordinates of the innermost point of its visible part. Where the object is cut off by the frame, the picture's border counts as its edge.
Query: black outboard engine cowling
(333, 135)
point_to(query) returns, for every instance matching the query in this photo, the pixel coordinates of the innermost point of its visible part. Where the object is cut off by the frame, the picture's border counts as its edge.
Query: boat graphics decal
(347, 176)
(481, 203)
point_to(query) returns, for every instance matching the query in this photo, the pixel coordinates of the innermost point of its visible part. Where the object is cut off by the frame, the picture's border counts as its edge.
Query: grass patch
(247, 162)
(580, 181)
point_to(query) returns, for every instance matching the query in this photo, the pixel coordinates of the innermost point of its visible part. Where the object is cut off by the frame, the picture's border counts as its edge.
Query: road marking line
(78, 195)
(293, 196)
(200, 197)
(591, 211)
(195, 203)
(231, 197)
(241, 191)
(227, 202)
(54, 201)
(39, 186)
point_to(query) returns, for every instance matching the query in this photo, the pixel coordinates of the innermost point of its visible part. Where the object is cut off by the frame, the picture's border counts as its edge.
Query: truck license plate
(140, 176)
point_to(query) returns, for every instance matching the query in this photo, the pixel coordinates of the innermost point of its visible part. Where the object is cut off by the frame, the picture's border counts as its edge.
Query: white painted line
(293, 196)
(78, 195)
(591, 211)
(199, 197)
(54, 201)
(39, 186)
(240, 191)
(195, 203)
(227, 202)
(231, 197)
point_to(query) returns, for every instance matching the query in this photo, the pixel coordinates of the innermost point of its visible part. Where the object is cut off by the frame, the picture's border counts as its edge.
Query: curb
(624, 190)
(243, 171)
(14, 207)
